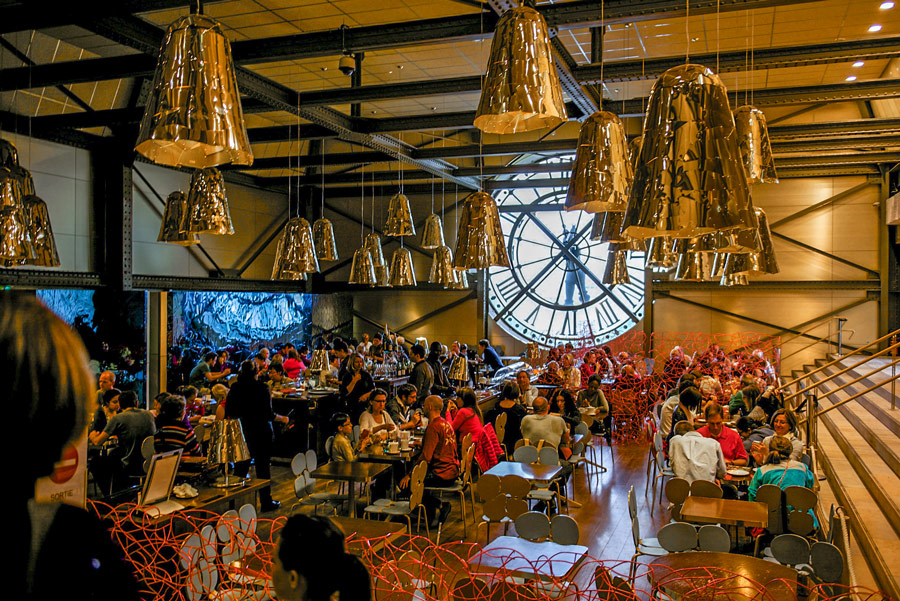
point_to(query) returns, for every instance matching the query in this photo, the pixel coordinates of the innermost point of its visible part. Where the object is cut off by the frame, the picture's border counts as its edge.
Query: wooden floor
(603, 517)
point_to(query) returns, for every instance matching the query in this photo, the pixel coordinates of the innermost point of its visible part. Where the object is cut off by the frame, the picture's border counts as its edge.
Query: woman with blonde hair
(46, 365)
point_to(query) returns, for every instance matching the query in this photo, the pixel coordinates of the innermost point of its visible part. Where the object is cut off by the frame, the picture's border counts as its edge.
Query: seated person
(293, 365)
(131, 427)
(514, 411)
(694, 457)
(728, 439)
(564, 406)
(752, 431)
(400, 407)
(668, 407)
(342, 448)
(439, 451)
(172, 433)
(551, 376)
(777, 468)
(109, 406)
(527, 392)
(689, 401)
(784, 423)
(194, 408)
(276, 375)
(375, 419)
(593, 396)
(552, 429)
(468, 419)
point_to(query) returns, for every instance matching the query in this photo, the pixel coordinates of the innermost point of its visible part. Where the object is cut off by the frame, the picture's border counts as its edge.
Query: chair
(611, 588)
(406, 508)
(677, 490)
(677, 537)
(564, 530)
(790, 549)
(470, 589)
(312, 462)
(801, 501)
(533, 526)
(500, 429)
(462, 485)
(526, 454)
(650, 433)
(197, 556)
(705, 488)
(298, 464)
(148, 449)
(642, 546)
(662, 472)
(827, 562)
(226, 528)
(304, 489)
(713, 537)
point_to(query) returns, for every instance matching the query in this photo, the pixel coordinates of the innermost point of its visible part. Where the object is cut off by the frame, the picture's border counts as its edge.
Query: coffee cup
(404, 440)
(394, 447)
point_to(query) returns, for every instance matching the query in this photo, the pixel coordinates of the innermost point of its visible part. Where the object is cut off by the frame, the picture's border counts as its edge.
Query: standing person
(107, 381)
(489, 356)
(309, 552)
(249, 400)
(422, 377)
(527, 393)
(202, 376)
(357, 386)
(441, 385)
(45, 368)
(439, 452)
(131, 427)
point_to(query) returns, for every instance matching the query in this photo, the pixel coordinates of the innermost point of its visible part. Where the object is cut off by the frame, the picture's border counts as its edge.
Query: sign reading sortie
(68, 482)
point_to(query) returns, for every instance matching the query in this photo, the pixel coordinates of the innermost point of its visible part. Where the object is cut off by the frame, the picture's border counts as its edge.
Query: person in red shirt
(439, 451)
(731, 442)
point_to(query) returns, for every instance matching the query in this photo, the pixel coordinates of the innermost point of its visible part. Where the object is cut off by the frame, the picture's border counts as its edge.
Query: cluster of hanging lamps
(295, 255)
(479, 238)
(26, 236)
(521, 90)
(194, 116)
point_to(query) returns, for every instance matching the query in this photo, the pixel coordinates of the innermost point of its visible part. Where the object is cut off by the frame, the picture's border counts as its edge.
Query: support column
(113, 202)
(884, 258)
(648, 312)
(157, 342)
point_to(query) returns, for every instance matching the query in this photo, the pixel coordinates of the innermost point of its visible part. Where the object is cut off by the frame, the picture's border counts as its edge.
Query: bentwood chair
(533, 526)
(642, 546)
(713, 537)
(677, 537)
(564, 530)
(388, 507)
(802, 500)
(462, 485)
(677, 491)
(705, 488)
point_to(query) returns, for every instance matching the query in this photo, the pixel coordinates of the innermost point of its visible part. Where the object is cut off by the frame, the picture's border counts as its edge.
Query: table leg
(351, 498)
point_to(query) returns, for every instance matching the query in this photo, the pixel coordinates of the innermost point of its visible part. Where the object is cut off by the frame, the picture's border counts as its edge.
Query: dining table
(367, 535)
(522, 557)
(534, 472)
(708, 575)
(705, 510)
(352, 472)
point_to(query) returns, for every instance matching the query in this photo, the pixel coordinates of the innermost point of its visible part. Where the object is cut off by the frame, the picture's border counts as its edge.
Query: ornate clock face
(553, 293)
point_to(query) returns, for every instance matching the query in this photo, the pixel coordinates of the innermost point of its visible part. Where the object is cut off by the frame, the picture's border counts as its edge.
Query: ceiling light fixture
(851, 78)
(886, 5)
(874, 28)
(859, 63)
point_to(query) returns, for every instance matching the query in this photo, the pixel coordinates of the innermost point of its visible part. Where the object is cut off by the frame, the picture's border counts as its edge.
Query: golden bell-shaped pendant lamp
(601, 176)
(402, 272)
(754, 145)
(323, 238)
(694, 260)
(433, 236)
(193, 116)
(689, 179)
(460, 280)
(607, 227)
(362, 271)
(533, 354)
(766, 259)
(660, 256)
(15, 238)
(207, 211)
(738, 241)
(173, 218)
(442, 271)
(319, 361)
(479, 239)
(521, 90)
(399, 219)
(42, 241)
(634, 151)
(383, 276)
(279, 272)
(616, 271)
(373, 244)
(296, 253)
(734, 280)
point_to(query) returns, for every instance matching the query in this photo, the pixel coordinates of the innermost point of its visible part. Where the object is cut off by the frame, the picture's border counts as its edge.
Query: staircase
(859, 452)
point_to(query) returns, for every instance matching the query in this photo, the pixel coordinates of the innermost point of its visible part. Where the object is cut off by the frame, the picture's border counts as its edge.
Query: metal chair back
(677, 537)
(713, 537)
(564, 530)
(790, 549)
(827, 562)
(526, 454)
(705, 488)
(533, 525)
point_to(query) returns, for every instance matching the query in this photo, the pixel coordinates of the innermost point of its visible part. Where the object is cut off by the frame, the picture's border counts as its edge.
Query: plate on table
(738, 472)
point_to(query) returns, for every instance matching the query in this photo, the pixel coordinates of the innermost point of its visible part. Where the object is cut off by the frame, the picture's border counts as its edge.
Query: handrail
(816, 341)
(841, 372)
(853, 397)
(851, 382)
(830, 363)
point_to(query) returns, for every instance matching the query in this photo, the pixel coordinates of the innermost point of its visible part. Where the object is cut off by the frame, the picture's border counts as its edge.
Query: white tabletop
(543, 559)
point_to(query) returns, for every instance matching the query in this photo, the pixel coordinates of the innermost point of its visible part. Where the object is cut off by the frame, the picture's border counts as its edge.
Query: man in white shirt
(694, 457)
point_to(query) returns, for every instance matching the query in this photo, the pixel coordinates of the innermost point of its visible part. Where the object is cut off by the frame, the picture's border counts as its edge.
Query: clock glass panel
(553, 292)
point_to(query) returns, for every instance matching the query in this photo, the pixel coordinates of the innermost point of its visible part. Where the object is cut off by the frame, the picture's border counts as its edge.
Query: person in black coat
(249, 401)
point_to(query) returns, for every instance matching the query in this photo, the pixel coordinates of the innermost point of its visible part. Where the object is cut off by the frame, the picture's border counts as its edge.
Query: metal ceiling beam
(851, 143)
(856, 126)
(824, 160)
(56, 13)
(828, 201)
(768, 285)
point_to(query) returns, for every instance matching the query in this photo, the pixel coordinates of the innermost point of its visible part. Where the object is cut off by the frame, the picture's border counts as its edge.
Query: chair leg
(462, 511)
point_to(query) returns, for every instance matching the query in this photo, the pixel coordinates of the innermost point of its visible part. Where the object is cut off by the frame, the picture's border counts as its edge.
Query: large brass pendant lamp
(382, 271)
(193, 116)
(362, 271)
(402, 271)
(689, 180)
(601, 176)
(616, 271)
(207, 205)
(433, 236)
(15, 240)
(479, 238)
(755, 148)
(173, 217)
(521, 89)
(399, 220)
(37, 216)
(296, 253)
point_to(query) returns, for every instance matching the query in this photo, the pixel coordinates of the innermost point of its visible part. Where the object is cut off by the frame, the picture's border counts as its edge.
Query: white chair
(389, 507)
(533, 526)
(662, 471)
(642, 546)
(312, 462)
(298, 464)
(705, 488)
(198, 556)
(677, 537)
(827, 562)
(713, 537)
(526, 454)
(564, 530)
